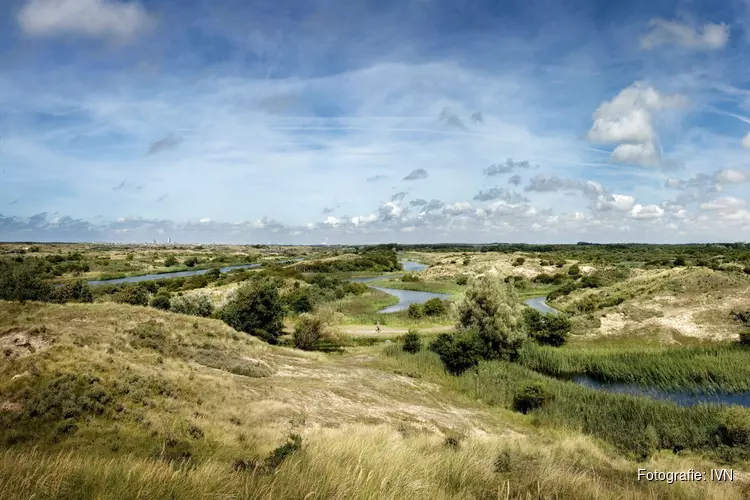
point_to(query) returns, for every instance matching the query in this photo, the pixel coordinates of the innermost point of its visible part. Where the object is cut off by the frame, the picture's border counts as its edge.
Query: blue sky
(372, 121)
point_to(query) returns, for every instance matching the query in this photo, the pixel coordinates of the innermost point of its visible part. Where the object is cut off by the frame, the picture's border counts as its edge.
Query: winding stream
(161, 276)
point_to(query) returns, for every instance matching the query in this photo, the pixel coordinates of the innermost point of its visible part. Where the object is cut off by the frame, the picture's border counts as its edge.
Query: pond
(681, 398)
(405, 297)
(540, 304)
(159, 276)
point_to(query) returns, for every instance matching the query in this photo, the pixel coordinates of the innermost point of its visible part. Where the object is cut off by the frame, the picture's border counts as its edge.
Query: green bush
(23, 281)
(457, 352)
(277, 456)
(410, 278)
(415, 311)
(256, 309)
(462, 279)
(745, 338)
(300, 301)
(309, 331)
(519, 261)
(194, 304)
(213, 274)
(434, 307)
(170, 261)
(735, 427)
(133, 295)
(575, 270)
(191, 261)
(161, 301)
(547, 329)
(79, 291)
(412, 342)
(531, 396)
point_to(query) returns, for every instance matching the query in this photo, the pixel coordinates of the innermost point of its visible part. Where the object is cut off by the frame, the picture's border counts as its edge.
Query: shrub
(213, 274)
(79, 291)
(415, 311)
(277, 456)
(23, 281)
(434, 307)
(734, 429)
(410, 278)
(310, 331)
(746, 270)
(256, 309)
(745, 338)
(467, 261)
(191, 261)
(412, 342)
(299, 301)
(133, 295)
(575, 270)
(194, 304)
(547, 329)
(742, 316)
(531, 396)
(161, 301)
(492, 311)
(457, 352)
(519, 261)
(462, 279)
(170, 261)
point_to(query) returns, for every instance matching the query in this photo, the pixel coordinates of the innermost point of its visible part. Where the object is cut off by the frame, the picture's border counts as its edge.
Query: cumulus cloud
(553, 183)
(618, 202)
(732, 176)
(417, 174)
(664, 32)
(104, 19)
(638, 154)
(627, 119)
(169, 142)
(746, 141)
(646, 212)
(505, 168)
(399, 196)
(515, 180)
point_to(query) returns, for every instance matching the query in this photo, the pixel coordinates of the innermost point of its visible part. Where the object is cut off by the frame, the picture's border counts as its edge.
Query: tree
(492, 311)
(457, 352)
(256, 309)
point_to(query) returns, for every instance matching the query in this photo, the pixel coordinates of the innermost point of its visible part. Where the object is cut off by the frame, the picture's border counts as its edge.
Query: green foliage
(133, 295)
(457, 352)
(574, 271)
(519, 261)
(734, 429)
(213, 274)
(376, 259)
(257, 309)
(547, 329)
(412, 342)
(277, 456)
(300, 301)
(79, 291)
(161, 301)
(415, 311)
(148, 335)
(191, 261)
(531, 396)
(67, 396)
(170, 261)
(410, 278)
(309, 332)
(23, 281)
(194, 304)
(492, 311)
(434, 307)
(462, 279)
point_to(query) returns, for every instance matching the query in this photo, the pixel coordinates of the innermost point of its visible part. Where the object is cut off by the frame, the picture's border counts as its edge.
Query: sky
(372, 121)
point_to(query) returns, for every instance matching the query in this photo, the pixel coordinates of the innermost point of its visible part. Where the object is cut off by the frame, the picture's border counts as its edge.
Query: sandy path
(369, 330)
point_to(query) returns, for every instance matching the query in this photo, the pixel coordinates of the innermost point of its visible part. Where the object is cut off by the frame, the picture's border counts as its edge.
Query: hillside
(96, 400)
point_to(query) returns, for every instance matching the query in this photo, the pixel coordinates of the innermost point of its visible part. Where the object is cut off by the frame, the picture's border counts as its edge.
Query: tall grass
(722, 367)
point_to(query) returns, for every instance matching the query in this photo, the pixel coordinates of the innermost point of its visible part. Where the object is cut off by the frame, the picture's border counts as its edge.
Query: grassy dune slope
(113, 401)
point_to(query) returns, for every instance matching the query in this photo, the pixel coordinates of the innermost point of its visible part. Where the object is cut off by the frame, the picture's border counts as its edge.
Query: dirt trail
(369, 330)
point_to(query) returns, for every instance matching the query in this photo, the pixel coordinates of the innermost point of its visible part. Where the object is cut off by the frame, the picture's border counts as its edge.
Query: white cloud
(365, 219)
(746, 141)
(644, 154)
(663, 32)
(732, 176)
(618, 202)
(646, 212)
(627, 119)
(105, 19)
(726, 203)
